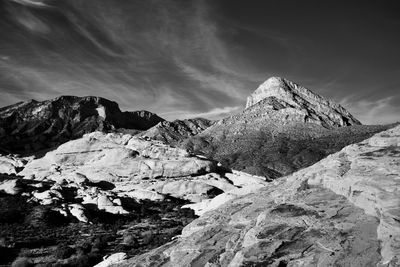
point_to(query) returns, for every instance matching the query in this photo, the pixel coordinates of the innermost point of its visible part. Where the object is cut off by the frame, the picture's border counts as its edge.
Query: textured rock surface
(176, 131)
(283, 130)
(115, 157)
(342, 211)
(11, 164)
(103, 168)
(112, 259)
(299, 103)
(32, 126)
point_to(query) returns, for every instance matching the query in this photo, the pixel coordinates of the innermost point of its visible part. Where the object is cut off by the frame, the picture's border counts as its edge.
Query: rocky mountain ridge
(32, 126)
(315, 108)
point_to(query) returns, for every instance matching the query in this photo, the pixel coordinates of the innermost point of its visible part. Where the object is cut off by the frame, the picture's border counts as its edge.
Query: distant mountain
(32, 126)
(176, 131)
(295, 102)
(285, 127)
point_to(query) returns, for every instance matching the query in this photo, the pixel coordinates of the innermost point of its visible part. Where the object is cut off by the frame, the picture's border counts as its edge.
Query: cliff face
(301, 103)
(342, 211)
(32, 126)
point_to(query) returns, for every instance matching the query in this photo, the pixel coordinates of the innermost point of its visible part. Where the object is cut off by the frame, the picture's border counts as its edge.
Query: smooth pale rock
(140, 194)
(104, 203)
(11, 164)
(342, 211)
(243, 179)
(194, 191)
(48, 197)
(10, 186)
(115, 157)
(212, 204)
(112, 259)
(78, 211)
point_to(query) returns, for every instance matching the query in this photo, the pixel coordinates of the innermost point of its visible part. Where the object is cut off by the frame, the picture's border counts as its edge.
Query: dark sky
(187, 58)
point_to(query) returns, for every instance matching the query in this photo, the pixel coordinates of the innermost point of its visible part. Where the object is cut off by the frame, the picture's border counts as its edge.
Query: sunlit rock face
(10, 164)
(301, 103)
(342, 211)
(116, 157)
(32, 126)
(284, 128)
(103, 168)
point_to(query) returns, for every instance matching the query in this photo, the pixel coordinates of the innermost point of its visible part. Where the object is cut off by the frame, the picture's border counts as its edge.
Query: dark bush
(63, 251)
(22, 262)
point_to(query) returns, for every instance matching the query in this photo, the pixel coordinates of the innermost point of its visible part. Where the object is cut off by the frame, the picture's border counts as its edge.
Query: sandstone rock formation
(33, 126)
(112, 259)
(342, 211)
(101, 169)
(10, 164)
(285, 127)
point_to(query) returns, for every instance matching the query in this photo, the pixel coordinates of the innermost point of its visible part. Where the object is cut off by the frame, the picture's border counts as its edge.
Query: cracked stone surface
(101, 169)
(342, 211)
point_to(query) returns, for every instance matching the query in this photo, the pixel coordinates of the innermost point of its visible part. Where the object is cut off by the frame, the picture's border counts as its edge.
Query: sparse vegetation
(33, 233)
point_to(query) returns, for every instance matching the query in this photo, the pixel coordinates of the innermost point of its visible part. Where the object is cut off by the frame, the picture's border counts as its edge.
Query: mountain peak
(301, 98)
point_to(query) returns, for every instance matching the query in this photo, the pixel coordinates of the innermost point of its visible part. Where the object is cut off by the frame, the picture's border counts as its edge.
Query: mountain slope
(174, 132)
(342, 211)
(32, 126)
(314, 108)
(285, 127)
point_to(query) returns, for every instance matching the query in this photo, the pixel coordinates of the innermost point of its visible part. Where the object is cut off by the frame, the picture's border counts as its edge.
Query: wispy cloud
(379, 111)
(156, 55)
(213, 114)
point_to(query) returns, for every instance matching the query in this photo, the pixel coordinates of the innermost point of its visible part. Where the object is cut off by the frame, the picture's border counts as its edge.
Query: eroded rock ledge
(344, 210)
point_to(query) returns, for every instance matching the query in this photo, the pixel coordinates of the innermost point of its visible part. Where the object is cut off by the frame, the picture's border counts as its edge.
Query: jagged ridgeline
(33, 126)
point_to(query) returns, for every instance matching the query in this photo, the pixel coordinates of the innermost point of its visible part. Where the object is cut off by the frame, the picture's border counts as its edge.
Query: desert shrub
(22, 262)
(43, 216)
(12, 208)
(63, 251)
(84, 249)
(131, 241)
(100, 242)
(187, 213)
(147, 237)
(88, 260)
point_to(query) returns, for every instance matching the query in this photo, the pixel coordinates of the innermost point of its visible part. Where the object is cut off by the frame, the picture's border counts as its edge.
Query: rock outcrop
(32, 126)
(10, 164)
(176, 131)
(284, 128)
(342, 211)
(104, 168)
(298, 103)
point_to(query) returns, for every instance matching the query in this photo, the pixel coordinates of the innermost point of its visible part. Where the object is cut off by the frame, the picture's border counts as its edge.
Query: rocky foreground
(342, 211)
(118, 181)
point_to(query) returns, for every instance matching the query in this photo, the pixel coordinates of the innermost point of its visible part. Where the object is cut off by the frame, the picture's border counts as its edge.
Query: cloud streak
(180, 58)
